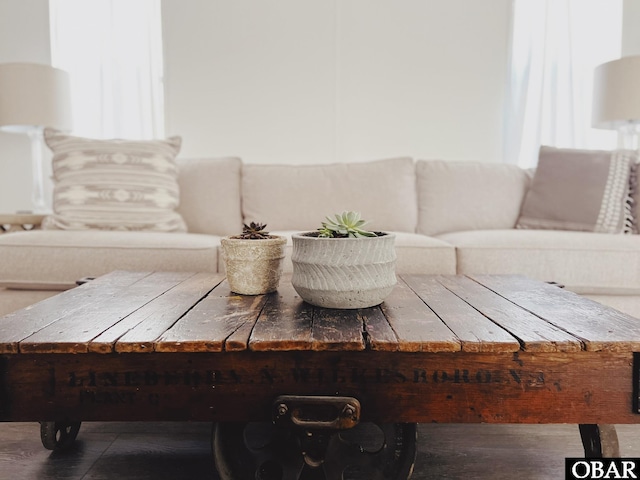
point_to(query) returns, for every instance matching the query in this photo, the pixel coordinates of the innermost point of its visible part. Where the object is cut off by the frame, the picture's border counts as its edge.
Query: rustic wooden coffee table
(325, 392)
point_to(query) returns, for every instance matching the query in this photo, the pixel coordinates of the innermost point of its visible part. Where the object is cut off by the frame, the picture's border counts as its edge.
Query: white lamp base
(629, 136)
(37, 196)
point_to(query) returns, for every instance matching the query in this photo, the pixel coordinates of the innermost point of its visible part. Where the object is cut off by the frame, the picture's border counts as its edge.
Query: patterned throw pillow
(586, 190)
(114, 184)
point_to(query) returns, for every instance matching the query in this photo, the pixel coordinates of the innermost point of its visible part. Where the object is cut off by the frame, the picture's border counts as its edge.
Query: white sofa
(449, 217)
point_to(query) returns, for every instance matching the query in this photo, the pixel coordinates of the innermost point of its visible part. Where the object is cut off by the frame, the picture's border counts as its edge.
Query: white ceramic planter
(343, 272)
(253, 267)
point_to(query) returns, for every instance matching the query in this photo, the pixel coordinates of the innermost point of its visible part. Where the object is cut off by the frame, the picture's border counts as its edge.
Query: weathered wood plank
(239, 339)
(455, 387)
(222, 290)
(72, 332)
(417, 328)
(21, 324)
(207, 326)
(598, 326)
(535, 334)
(137, 332)
(340, 330)
(378, 333)
(284, 324)
(476, 332)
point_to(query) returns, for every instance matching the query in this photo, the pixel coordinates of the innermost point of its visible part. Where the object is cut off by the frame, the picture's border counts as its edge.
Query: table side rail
(581, 387)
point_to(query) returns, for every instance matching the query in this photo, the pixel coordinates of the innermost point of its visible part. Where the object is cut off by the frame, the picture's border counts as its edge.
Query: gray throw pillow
(585, 190)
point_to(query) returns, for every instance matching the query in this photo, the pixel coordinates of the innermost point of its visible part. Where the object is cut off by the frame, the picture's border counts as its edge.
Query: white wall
(305, 81)
(318, 81)
(255, 79)
(24, 37)
(630, 30)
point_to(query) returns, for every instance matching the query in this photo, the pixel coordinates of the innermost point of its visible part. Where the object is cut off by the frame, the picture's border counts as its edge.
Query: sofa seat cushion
(57, 258)
(415, 254)
(585, 262)
(12, 300)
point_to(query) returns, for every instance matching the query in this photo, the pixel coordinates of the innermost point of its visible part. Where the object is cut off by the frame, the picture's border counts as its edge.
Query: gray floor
(181, 451)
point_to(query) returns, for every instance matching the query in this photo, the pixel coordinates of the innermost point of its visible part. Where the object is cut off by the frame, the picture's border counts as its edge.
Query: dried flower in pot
(342, 265)
(253, 260)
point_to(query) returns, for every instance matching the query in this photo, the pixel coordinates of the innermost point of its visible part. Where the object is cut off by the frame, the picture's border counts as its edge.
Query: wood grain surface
(196, 312)
(182, 346)
(515, 387)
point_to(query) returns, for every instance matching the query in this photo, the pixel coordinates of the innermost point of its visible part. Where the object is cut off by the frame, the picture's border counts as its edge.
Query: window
(555, 47)
(112, 50)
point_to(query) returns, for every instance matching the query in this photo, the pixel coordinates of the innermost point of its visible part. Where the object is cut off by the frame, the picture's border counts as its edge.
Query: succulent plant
(346, 224)
(254, 231)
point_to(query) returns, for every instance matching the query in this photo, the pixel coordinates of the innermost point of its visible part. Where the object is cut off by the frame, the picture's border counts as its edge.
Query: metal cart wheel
(58, 435)
(264, 451)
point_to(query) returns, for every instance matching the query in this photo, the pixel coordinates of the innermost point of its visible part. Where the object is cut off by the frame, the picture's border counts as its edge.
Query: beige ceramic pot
(253, 267)
(343, 272)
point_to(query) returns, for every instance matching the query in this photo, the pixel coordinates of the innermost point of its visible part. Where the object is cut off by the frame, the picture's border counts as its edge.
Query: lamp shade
(616, 93)
(33, 95)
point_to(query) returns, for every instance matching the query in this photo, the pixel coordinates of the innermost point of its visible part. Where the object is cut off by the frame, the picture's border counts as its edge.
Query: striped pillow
(114, 184)
(586, 190)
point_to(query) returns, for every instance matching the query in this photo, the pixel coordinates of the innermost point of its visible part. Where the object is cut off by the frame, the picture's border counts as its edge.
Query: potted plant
(341, 265)
(253, 260)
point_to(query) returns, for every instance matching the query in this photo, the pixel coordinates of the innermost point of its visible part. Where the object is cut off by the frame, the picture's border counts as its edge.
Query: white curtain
(112, 50)
(555, 46)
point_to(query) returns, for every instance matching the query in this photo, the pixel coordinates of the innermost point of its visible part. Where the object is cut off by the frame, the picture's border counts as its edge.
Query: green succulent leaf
(345, 224)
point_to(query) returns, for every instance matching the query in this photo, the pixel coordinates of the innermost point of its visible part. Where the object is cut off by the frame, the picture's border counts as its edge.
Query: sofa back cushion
(299, 197)
(458, 196)
(210, 195)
